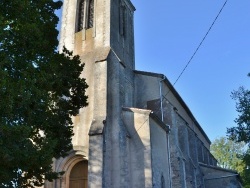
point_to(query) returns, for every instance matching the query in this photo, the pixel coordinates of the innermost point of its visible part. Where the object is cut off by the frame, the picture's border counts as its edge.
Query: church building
(136, 132)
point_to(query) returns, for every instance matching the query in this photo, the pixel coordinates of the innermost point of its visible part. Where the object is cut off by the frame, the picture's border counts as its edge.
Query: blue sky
(167, 34)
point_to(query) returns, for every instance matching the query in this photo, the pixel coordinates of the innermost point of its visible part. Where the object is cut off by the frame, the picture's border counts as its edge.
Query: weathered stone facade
(136, 131)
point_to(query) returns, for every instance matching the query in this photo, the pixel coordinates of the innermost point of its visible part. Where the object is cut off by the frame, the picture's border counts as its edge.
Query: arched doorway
(79, 175)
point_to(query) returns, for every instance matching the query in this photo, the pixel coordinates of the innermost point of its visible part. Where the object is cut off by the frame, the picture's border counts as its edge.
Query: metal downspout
(168, 145)
(161, 99)
(169, 161)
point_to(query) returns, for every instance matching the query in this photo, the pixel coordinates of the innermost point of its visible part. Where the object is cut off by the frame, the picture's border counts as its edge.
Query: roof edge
(218, 168)
(176, 94)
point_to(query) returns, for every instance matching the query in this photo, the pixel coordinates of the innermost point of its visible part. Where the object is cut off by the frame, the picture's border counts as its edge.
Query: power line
(203, 39)
(200, 43)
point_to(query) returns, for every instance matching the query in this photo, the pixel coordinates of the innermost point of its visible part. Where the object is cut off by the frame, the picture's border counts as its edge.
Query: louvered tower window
(90, 14)
(85, 14)
(80, 15)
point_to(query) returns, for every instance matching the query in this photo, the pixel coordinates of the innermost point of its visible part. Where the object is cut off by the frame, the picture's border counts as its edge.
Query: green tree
(241, 132)
(246, 172)
(228, 153)
(232, 155)
(40, 89)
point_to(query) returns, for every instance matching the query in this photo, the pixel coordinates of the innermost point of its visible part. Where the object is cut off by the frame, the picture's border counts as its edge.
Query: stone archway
(79, 175)
(67, 165)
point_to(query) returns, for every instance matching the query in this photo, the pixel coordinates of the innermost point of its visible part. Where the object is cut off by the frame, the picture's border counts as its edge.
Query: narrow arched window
(80, 15)
(123, 20)
(90, 14)
(162, 182)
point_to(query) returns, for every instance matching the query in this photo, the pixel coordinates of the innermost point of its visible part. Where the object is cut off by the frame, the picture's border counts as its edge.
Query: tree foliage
(232, 155)
(246, 171)
(228, 153)
(39, 90)
(241, 132)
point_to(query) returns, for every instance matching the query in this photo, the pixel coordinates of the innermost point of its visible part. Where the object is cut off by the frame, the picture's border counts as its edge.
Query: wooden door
(79, 175)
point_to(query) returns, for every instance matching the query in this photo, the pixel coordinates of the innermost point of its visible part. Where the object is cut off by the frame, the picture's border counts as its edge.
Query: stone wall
(187, 150)
(189, 145)
(220, 178)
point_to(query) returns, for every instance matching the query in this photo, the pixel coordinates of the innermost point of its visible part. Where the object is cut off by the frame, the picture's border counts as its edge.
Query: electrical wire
(200, 43)
(191, 58)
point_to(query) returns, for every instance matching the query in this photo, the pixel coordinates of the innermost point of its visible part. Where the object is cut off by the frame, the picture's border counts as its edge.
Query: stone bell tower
(101, 33)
